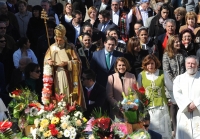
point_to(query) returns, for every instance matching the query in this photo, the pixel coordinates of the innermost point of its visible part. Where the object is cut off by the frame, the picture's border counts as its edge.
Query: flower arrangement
(23, 106)
(139, 134)
(100, 125)
(47, 84)
(59, 120)
(134, 104)
(119, 128)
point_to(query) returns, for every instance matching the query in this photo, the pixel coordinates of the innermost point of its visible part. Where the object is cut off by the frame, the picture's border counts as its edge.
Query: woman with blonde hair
(67, 13)
(92, 14)
(117, 83)
(173, 65)
(152, 79)
(191, 22)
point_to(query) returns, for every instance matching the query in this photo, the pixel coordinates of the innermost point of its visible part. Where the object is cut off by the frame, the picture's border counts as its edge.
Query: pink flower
(89, 125)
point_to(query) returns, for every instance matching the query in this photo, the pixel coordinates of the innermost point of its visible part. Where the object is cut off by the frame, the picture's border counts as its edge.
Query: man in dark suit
(12, 6)
(95, 94)
(146, 123)
(102, 61)
(105, 22)
(102, 5)
(115, 12)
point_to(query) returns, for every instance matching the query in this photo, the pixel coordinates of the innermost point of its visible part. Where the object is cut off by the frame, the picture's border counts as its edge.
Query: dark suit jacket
(13, 9)
(110, 25)
(97, 95)
(154, 135)
(70, 30)
(159, 40)
(98, 5)
(98, 65)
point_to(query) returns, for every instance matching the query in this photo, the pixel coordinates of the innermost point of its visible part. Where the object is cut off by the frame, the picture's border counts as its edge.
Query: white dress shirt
(78, 29)
(102, 7)
(144, 14)
(115, 17)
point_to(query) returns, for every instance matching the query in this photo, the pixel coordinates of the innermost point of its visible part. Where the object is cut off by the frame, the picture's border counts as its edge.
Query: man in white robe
(186, 91)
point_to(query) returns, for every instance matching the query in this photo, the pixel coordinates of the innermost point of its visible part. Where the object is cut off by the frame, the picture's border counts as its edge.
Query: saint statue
(66, 66)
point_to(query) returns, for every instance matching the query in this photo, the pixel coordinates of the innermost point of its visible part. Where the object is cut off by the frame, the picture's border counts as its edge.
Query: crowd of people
(151, 43)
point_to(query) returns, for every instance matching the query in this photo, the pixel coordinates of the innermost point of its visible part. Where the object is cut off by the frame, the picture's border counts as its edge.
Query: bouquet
(140, 134)
(59, 120)
(100, 125)
(24, 107)
(119, 128)
(134, 104)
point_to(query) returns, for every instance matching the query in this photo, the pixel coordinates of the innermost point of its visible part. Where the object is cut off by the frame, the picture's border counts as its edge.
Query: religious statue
(66, 68)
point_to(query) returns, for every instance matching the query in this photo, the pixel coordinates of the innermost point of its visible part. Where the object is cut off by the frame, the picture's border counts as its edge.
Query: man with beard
(187, 96)
(66, 68)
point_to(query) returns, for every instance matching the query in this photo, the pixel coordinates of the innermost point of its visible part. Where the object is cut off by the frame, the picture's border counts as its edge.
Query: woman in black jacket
(134, 54)
(158, 22)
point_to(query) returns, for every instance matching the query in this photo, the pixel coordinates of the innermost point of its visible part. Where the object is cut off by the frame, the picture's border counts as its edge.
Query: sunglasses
(146, 126)
(2, 27)
(2, 41)
(37, 71)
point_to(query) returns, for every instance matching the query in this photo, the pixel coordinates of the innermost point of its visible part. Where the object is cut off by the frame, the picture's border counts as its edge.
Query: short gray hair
(156, 5)
(171, 21)
(193, 57)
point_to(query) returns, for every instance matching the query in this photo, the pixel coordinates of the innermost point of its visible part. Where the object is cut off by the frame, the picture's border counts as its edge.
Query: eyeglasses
(37, 71)
(146, 126)
(2, 41)
(2, 27)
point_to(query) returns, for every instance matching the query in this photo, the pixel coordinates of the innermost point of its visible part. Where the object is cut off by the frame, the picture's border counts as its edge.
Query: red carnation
(52, 126)
(142, 90)
(135, 87)
(54, 132)
(17, 92)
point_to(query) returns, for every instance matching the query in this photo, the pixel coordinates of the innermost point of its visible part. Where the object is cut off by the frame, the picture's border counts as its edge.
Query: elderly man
(66, 70)
(187, 96)
(161, 40)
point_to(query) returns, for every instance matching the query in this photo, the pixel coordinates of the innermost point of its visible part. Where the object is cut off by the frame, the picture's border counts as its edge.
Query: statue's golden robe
(67, 79)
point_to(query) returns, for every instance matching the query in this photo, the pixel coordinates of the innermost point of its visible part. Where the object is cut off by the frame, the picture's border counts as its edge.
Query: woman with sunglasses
(24, 50)
(152, 79)
(32, 74)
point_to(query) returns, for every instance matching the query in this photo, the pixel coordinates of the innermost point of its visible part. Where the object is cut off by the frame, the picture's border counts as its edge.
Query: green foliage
(97, 113)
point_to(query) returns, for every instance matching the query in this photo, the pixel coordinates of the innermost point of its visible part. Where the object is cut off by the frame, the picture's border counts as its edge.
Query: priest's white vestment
(186, 89)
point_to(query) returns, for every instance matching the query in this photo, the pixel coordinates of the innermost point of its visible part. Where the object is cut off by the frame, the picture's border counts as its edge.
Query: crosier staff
(45, 17)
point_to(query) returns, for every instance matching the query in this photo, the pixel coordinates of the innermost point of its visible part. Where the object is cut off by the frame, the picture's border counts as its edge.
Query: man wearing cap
(66, 71)
(142, 12)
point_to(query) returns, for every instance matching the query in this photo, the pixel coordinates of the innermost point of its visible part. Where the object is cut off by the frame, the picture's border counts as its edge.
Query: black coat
(136, 61)
(156, 28)
(190, 49)
(98, 96)
(95, 25)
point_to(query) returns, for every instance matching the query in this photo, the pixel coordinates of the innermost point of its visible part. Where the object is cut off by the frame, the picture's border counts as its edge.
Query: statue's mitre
(60, 31)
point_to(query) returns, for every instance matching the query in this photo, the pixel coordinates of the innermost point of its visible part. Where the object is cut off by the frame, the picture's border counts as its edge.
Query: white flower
(72, 129)
(36, 122)
(72, 137)
(91, 136)
(33, 111)
(64, 104)
(78, 114)
(59, 103)
(64, 125)
(73, 133)
(40, 112)
(66, 133)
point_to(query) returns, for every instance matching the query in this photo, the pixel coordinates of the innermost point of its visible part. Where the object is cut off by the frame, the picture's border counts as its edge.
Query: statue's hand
(50, 62)
(63, 64)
